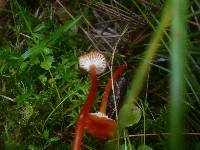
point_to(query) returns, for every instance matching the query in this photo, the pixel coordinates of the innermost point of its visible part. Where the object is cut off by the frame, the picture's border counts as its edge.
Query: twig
(154, 134)
(7, 98)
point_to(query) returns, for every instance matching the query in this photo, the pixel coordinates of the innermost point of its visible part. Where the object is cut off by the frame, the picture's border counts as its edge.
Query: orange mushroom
(95, 63)
(98, 124)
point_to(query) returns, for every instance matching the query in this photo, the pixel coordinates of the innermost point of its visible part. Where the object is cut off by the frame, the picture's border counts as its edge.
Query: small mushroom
(99, 124)
(93, 59)
(93, 62)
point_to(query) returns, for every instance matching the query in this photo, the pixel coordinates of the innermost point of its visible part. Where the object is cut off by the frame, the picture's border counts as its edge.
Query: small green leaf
(47, 51)
(34, 60)
(24, 65)
(45, 134)
(144, 147)
(33, 147)
(54, 139)
(39, 27)
(130, 115)
(46, 64)
(23, 97)
(43, 79)
(52, 81)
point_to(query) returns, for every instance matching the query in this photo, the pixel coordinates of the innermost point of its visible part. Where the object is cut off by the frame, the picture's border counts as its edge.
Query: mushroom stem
(93, 90)
(116, 75)
(85, 110)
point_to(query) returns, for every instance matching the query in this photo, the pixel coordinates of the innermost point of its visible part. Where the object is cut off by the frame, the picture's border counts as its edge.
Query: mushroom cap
(93, 58)
(100, 126)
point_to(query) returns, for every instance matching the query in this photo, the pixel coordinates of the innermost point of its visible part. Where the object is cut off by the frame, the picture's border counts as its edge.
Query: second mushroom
(95, 63)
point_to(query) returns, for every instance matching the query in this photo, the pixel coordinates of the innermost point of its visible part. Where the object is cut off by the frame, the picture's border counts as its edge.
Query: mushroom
(99, 124)
(93, 62)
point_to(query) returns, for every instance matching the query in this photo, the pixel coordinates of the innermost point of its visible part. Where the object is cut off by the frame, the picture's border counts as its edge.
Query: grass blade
(141, 73)
(177, 84)
(51, 38)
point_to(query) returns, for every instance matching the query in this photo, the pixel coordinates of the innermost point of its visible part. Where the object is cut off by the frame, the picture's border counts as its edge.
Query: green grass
(42, 88)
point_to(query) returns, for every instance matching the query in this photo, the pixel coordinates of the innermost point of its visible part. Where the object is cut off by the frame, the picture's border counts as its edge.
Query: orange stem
(85, 110)
(108, 88)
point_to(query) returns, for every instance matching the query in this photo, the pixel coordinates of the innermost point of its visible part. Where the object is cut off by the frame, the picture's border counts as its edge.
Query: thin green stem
(150, 22)
(60, 104)
(56, 88)
(177, 83)
(141, 73)
(144, 124)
